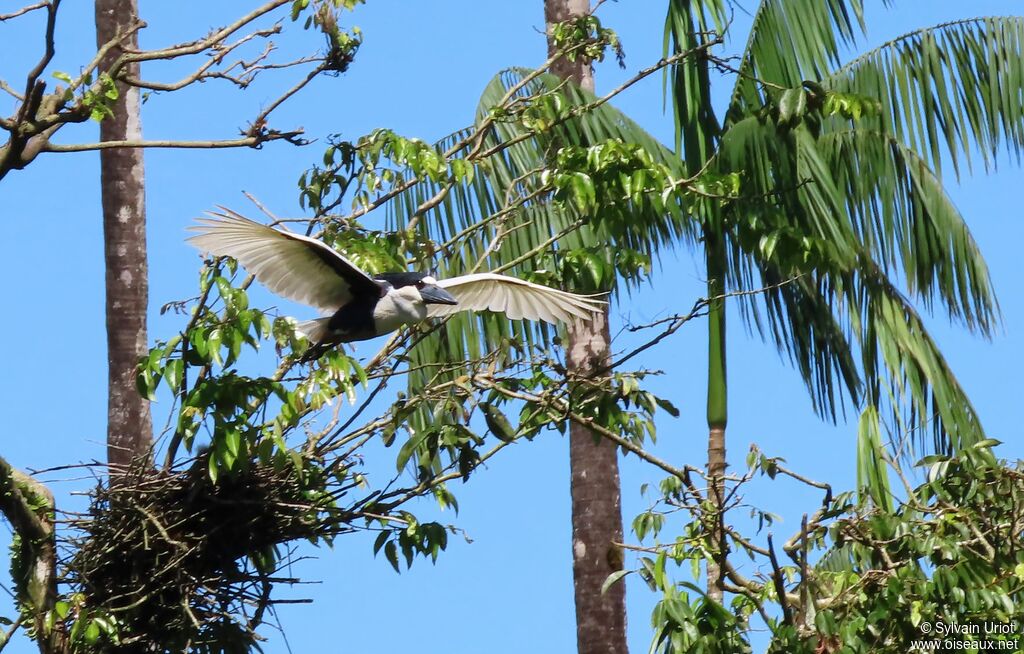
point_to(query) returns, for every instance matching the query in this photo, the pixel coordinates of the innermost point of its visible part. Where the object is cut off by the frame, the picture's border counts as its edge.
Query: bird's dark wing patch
(358, 281)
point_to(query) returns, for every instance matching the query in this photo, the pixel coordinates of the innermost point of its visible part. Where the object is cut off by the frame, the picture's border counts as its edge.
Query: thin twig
(23, 10)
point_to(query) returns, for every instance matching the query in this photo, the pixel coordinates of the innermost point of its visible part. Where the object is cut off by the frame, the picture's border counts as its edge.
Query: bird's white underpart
(401, 306)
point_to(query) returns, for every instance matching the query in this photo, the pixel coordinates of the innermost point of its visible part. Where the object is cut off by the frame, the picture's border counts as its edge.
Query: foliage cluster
(855, 577)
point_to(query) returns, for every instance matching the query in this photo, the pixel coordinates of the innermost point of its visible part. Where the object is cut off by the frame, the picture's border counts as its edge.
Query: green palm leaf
(951, 88)
(859, 208)
(791, 41)
(902, 214)
(853, 207)
(697, 126)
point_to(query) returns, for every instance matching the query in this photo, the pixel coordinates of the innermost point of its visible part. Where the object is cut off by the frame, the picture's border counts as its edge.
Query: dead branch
(217, 56)
(33, 88)
(24, 10)
(247, 141)
(40, 115)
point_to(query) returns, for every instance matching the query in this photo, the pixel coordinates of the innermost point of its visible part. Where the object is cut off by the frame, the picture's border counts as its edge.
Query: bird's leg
(314, 352)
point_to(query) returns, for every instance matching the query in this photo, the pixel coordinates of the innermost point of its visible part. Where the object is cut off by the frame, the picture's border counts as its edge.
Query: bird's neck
(401, 306)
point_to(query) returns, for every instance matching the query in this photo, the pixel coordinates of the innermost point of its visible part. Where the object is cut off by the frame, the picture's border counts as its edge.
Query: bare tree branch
(199, 45)
(261, 119)
(24, 10)
(40, 115)
(220, 53)
(33, 88)
(4, 86)
(248, 141)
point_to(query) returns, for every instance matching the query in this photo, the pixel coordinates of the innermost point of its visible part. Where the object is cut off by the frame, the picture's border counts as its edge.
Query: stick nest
(184, 564)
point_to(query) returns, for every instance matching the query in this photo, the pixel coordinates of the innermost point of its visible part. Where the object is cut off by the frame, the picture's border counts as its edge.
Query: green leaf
(988, 443)
(110, 91)
(92, 633)
(408, 449)
(212, 468)
(667, 407)
(497, 422)
(173, 373)
(382, 538)
(99, 112)
(391, 553)
(213, 344)
(872, 473)
(232, 443)
(612, 578)
(1018, 571)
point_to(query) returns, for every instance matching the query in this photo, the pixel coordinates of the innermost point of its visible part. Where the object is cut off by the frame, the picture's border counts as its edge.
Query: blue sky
(420, 72)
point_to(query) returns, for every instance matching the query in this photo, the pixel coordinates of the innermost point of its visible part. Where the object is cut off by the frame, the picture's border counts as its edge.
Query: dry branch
(40, 115)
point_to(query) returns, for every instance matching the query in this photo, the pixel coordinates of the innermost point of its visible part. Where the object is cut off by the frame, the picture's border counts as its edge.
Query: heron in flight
(359, 306)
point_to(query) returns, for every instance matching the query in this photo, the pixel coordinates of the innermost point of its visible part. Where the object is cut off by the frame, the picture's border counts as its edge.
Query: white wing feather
(516, 298)
(293, 266)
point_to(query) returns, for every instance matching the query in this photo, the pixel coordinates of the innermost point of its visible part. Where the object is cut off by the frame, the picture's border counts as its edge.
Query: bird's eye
(420, 284)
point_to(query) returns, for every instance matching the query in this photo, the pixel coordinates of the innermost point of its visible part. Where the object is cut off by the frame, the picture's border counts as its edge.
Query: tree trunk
(596, 503)
(596, 511)
(122, 179)
(717, 410)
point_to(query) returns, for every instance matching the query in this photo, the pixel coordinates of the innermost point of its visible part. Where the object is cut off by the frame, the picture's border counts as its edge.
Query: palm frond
(904, 368)
(902, 214)
(515, 171)
(838, 559)
(791, 41)
(686, 26)
(842, 214)
(790, 198)
(806, 323)
(872, 474)
(951, 88)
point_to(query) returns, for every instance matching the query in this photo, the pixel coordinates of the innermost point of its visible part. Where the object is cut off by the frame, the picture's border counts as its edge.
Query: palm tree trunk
(122, 180)
(596, 511)
(594, 464)
(717, 410)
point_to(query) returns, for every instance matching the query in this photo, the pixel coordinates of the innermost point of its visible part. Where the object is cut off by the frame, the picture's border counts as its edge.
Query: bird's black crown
(400, 279)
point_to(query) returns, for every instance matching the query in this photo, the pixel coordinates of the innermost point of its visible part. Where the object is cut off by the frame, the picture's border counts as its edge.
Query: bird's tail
(315, 331)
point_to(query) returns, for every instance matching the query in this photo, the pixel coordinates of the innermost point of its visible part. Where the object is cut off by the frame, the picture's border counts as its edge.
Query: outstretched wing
(516, 298)
(293, 266)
